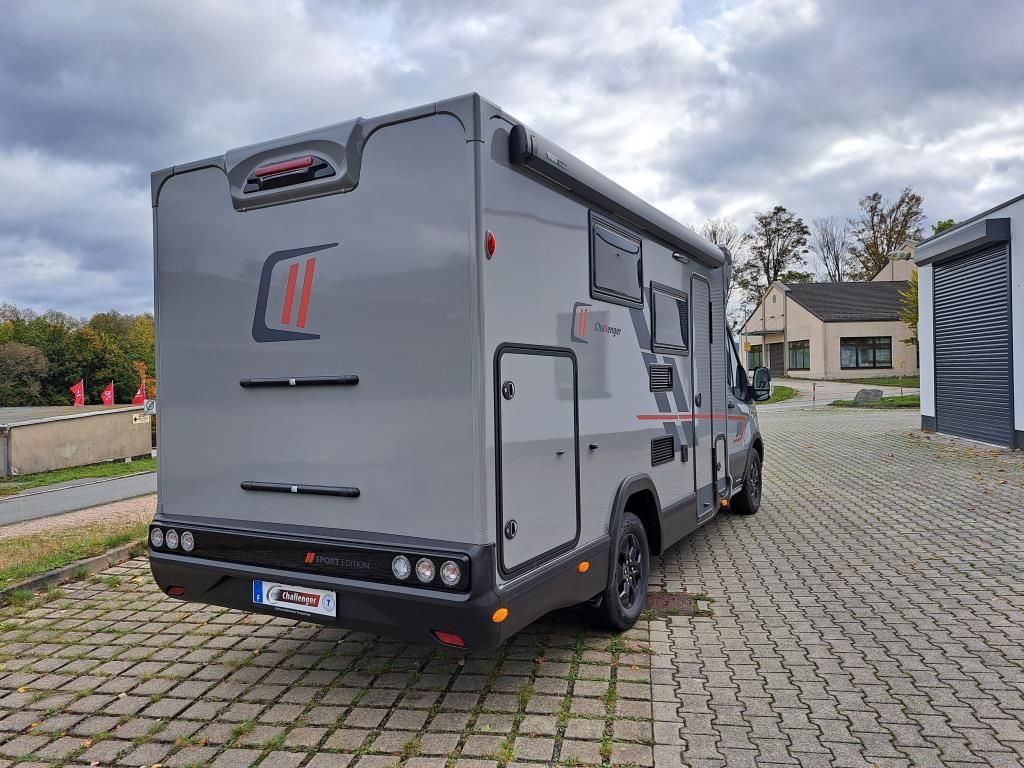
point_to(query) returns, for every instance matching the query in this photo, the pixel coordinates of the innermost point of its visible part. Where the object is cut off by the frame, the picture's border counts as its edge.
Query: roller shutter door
(973, 388)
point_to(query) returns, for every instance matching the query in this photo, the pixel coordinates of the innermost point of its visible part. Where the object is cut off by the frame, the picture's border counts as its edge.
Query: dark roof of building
(850, 302)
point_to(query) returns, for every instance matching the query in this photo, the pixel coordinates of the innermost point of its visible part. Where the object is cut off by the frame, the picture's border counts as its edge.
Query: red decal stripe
(310, 556)
(289, 294)
(307, 285)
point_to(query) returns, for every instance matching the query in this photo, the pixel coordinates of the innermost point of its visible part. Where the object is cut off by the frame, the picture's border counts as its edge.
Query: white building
(971, 328)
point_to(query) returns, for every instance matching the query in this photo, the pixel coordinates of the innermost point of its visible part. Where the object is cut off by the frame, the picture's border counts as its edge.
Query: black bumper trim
(398, 611)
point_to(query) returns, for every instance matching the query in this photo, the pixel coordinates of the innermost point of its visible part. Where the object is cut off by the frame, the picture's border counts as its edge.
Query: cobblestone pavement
(870, 615)
(111, 672)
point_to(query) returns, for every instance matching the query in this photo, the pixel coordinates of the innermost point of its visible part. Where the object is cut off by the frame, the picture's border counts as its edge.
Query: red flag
(108, 394)
(78, 390)
(140, 398)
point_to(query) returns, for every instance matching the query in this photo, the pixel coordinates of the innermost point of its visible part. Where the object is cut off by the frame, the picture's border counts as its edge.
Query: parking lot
(871, 615)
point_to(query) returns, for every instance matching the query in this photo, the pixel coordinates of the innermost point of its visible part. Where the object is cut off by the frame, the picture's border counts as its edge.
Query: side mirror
(761, 389)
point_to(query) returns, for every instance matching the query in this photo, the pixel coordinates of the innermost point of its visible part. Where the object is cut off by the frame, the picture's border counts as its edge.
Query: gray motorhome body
(431, 376)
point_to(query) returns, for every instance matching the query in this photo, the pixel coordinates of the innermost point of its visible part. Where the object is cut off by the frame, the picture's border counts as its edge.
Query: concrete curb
(66, 573)
(72, 484)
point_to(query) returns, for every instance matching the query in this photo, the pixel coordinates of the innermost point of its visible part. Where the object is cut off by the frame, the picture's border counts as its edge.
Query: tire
(622, 601)
(748, 500)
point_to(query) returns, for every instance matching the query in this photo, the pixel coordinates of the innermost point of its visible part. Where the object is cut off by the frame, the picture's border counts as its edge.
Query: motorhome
(429, 375)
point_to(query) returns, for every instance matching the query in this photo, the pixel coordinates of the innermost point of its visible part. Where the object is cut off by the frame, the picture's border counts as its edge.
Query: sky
(705, 108)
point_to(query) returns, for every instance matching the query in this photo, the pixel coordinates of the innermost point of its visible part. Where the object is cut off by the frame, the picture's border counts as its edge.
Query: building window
(867, 352)
(670, 318)
(800, 355)
(616, 264)
(755, 357)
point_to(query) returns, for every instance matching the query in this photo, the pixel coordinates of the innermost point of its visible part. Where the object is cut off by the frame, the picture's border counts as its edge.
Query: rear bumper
(404, 612)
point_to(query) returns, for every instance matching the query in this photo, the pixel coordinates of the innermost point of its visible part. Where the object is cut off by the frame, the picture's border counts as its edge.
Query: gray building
(971, 328)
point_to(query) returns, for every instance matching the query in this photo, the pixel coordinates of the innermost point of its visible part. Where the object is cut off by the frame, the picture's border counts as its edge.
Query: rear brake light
(284, 166)
(449, 639)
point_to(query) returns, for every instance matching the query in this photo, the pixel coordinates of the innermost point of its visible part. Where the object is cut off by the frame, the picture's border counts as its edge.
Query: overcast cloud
(704, 108)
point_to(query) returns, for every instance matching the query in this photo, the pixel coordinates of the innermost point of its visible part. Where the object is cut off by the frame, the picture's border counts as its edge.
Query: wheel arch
(638, 495)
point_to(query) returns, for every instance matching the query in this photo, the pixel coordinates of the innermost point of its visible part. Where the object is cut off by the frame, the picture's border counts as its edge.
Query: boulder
(868, 396)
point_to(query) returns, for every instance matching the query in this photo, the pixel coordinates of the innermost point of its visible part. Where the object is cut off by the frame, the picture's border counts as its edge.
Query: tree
(21, 370)
(908, 307)
(830, 243)
(882, 228)
(775, 246)
(942, 225)
(724, 232)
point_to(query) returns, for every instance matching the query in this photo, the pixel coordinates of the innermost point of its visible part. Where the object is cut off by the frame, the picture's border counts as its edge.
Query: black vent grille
(663, 450)
(661, 377)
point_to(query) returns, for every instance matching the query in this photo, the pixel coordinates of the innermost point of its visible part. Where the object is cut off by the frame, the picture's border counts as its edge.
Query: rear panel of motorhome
(254, 304)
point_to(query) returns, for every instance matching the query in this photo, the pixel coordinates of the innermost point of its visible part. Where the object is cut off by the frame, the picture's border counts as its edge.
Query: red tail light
(449, 639)
(491, 243)
(284, 166)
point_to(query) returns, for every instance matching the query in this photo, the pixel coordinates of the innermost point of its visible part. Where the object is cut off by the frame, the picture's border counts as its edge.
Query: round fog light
(425, 570)
(188, 542)
(172, 539)
(450, 573)
(401, 568)
(156, 537)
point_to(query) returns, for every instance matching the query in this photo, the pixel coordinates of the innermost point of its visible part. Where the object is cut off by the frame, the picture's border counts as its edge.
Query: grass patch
(107, 469)
(886, 381)
(27, 556)
(899, 401)
(779, 394)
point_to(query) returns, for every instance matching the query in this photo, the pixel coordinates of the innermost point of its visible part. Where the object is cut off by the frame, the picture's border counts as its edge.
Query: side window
(670, 319)
(733, 365)
(616, 263)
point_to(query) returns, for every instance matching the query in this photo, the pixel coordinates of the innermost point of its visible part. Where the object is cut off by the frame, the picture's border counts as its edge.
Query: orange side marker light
(583, 567)
(499, 615)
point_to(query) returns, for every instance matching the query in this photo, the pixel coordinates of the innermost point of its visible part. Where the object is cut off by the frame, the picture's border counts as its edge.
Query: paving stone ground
(871, 615)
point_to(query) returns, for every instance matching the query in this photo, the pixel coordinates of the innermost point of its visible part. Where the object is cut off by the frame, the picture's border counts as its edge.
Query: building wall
(801, 325)
(1015, 212)
(896, 269)
(904, 356)
(74, 442)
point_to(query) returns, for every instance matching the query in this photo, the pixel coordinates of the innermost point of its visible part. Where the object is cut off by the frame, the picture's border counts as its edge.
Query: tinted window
(616, 264)
(670, 319)
(800, 355)
(866, 352)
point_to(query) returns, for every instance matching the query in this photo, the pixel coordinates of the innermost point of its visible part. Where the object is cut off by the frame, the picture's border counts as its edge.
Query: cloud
(705, 108)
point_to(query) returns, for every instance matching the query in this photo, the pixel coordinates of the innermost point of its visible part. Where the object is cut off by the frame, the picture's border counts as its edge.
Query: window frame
(857, 342)
(806, 347)
(676, 295)
(600, 293)
(760, 354)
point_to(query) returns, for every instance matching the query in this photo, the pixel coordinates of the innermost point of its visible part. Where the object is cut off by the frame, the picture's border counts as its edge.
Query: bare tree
(830, 243)
(724, 232)
(882, 228)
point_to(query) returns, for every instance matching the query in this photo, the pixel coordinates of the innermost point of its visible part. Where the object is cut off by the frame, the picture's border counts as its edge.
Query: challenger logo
(578, 333)
(305, 599)
(581, 324)
(277, 310)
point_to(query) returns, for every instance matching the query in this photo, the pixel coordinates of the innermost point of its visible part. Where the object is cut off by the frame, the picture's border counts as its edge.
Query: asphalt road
(45, 502)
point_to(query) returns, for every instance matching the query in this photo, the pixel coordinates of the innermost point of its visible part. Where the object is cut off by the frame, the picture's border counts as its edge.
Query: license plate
(302, 599)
